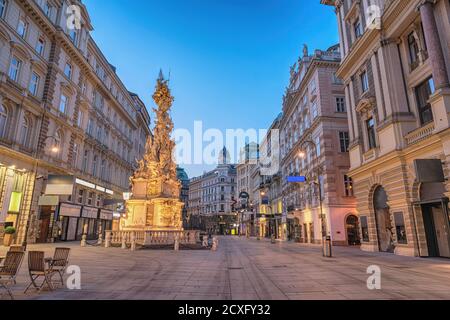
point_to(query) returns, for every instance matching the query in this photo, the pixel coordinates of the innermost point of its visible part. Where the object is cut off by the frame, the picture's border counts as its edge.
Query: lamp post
(326, 240)
(54, 149)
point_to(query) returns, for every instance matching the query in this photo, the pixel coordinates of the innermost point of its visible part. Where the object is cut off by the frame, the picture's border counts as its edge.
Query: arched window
(25, 132)
(3, 120)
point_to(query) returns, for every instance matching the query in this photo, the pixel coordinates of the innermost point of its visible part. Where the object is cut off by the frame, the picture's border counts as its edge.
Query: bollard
(108, 239)
(133, 241)
(100, 239)
(327, 247)
(272, 239)
(177, 243)
(215, 244)
(124, 243)
(84, 236)
(83, 240)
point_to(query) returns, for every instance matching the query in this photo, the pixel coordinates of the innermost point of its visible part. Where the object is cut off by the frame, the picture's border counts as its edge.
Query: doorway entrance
(436, 223)
(352, 227)
(383, 221)
(44, 224)
(436, 219)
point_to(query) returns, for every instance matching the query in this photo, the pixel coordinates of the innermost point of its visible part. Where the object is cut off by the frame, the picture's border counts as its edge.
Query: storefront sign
(59, 185)
(48, 201)
(89, 212)
(300, 179)
(69, 210)
(106, 214)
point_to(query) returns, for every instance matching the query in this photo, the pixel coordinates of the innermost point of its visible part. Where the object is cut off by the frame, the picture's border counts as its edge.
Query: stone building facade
(266, 181)
(184, 195)
(248, 160)
(63, 112)
(212, 198)
(314, 138)
(396, 66)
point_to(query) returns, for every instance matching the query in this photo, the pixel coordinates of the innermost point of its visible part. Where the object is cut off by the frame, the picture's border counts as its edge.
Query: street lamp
(54, 149)
(326, 241)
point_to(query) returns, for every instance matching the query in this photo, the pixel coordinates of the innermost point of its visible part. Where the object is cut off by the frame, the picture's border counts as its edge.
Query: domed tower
(224, 157)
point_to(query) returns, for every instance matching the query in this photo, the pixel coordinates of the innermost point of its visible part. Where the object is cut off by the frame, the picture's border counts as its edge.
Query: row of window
(423, 93)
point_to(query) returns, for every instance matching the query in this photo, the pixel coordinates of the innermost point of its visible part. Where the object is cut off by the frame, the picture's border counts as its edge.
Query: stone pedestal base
(159, 214)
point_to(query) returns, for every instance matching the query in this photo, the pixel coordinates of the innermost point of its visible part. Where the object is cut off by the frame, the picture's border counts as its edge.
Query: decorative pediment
(366, 104)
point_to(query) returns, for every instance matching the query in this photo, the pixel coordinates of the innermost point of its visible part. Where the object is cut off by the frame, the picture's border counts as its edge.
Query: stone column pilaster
(435, 53)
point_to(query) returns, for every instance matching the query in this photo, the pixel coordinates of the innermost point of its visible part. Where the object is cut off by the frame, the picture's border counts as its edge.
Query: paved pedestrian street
(244, 269)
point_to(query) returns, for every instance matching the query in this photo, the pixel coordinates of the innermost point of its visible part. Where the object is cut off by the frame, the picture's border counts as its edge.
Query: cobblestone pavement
(243, 269)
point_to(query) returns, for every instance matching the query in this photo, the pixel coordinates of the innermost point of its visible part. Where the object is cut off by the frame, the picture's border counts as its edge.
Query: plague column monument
(154, 204)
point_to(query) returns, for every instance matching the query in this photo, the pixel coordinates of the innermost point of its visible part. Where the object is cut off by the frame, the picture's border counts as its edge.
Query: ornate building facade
(212, 198)
(249, 158)
(396, 66)
(63, 112)
(314, 144)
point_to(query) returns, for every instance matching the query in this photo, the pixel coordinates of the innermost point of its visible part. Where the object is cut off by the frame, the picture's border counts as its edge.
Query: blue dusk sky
(228, 59)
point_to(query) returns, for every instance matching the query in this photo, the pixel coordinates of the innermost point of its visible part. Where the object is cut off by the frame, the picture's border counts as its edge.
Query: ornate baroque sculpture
(155, 187)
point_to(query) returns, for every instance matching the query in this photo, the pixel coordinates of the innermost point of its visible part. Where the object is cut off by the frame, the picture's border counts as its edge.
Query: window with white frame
(80, 118)
(25, 132)
(3, 120)
(14, 69)
(344, 141)
(34, 84)
(90, 198)
(40, 46)
(312, 86)
(73, 35)
(318, 147)
(22, 28)
(94, 166)
(75, 155)
(340, 104)
(348, 186)
(314, 110)
(47, 8)
(85, 161)
(68, 70)
(3, 5)
(80, 198)
(364, 82)
(357, 28)
(63, 102)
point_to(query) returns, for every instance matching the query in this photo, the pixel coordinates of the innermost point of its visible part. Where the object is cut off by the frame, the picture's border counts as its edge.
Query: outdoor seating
(10, 269)
(13, 249)
(37, 268)
(59, 262)
(16, 249)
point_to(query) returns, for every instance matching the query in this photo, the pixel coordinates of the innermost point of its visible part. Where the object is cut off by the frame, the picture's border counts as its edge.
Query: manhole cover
(279, 267)
(235, 268)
